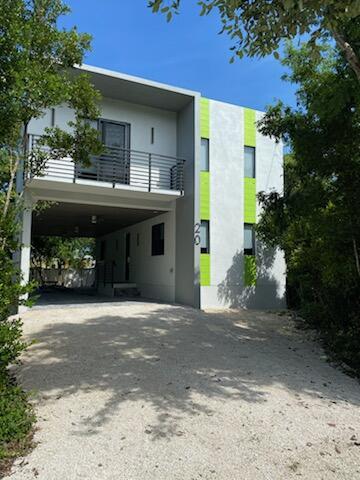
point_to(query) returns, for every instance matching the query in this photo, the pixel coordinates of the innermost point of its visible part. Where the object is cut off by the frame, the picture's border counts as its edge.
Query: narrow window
(204, 156)
(205, 236)
(249, 159)
(102, 249)
(152, 135)
(158, 243)
(249, 239)
(53, 117)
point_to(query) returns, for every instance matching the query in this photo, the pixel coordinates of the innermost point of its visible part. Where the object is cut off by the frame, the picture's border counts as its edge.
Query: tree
(316, 221)
(58, 252)
(36, 73)
(258, 27)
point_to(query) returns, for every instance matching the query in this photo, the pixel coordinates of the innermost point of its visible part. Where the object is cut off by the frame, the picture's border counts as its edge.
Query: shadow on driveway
(174, 358)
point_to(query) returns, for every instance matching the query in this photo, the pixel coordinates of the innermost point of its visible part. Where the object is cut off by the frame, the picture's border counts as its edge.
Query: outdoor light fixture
(93, 219)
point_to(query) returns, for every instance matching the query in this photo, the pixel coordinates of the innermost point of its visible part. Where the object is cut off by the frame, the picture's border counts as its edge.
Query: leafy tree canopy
(36, 73)
(316, 221)
(64, 252)
(258, 27)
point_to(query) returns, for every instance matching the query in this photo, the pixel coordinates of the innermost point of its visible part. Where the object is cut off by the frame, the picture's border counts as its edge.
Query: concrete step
(126, 290)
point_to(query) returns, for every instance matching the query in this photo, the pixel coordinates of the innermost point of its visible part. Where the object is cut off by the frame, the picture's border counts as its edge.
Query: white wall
(271, 279)
(227, 215)
(140, 117)
(153, 275)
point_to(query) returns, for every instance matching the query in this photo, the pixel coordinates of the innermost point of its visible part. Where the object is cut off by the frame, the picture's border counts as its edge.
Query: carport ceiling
(77, 220)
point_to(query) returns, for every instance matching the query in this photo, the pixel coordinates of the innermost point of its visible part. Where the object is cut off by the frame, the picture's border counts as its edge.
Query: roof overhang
(138, 90)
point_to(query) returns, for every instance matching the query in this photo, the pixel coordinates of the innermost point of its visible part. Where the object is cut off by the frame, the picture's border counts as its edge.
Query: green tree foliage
(36, 60)
(58, 252)
(316, 221)
(258, 27)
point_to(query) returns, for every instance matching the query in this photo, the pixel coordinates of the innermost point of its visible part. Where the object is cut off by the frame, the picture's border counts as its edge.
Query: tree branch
(356, 254)
(349, 53)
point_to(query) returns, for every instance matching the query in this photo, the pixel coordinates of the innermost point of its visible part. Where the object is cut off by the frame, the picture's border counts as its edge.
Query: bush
(16, 415)
(16, 420)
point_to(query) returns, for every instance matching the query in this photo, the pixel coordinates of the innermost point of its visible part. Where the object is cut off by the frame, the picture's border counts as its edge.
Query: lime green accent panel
(250, 129)
(249, 270)
(204, 118)
(249, 200)
(204, 269)
(204, 196)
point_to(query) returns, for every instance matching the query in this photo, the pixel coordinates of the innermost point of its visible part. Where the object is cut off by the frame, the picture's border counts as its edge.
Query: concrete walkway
(140, 391)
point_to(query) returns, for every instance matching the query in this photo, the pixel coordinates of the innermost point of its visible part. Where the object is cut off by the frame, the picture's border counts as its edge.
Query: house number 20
(197, 237)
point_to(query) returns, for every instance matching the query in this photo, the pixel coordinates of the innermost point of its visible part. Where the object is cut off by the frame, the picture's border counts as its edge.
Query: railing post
(149, 172)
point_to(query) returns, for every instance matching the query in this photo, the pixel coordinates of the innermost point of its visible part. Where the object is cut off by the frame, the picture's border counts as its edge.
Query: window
(204, 236)
(157, 244)
(53, 117)
(249, 239)
(249, 162)
(102, 249)
(204, 156)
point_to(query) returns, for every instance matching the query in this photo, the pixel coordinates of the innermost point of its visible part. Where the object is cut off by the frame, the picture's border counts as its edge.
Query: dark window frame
(208, 155)
(254, 166)
(206, 249)
(250, 251)
(102, 126)
(158, 239)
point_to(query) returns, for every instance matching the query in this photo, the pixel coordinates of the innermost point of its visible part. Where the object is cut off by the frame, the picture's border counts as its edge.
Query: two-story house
(171, 202)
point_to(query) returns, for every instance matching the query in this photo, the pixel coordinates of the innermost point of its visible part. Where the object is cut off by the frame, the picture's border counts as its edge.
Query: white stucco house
(172, 201)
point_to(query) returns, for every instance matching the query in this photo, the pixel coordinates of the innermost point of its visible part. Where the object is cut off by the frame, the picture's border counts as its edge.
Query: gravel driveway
(138, 391)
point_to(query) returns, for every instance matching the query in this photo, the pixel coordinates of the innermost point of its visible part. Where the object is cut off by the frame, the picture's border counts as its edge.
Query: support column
(25, 239)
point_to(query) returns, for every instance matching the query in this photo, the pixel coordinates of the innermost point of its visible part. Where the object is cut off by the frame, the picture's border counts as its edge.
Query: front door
(127, 257)
(116, 159)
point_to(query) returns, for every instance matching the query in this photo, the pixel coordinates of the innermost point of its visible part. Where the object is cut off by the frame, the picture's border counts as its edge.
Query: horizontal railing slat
(118, 166)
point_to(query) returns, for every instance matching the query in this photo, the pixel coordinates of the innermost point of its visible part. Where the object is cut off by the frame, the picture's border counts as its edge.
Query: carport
(123, 238)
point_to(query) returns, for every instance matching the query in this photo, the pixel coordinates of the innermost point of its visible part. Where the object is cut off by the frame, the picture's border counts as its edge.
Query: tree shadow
(172, 359)
(266, 294)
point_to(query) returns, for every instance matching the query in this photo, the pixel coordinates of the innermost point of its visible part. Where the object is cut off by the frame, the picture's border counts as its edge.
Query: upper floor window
(158, 239)
(115, 134)
(205, 236)
(249, 162)
(249, 239)
(204, 156)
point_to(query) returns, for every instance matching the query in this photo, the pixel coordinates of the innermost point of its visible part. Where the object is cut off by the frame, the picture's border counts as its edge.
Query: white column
(25, 238)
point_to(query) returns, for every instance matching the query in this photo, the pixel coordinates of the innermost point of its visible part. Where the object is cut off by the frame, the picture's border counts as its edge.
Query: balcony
(117, 168)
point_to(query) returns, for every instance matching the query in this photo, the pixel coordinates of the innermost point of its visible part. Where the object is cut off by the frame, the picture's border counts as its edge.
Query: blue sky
(187, 52)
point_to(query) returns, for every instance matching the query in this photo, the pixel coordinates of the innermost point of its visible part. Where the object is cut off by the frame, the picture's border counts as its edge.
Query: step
(126, 290)
(124, 285)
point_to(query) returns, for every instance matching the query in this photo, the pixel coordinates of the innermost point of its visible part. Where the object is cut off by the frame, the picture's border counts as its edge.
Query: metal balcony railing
(118, 167)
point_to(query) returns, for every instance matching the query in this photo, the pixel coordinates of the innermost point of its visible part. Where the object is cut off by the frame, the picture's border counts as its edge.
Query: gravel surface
(138, 391)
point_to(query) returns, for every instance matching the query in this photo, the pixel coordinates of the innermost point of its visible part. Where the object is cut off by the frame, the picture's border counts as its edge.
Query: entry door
(116, 136)
(127, 257)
